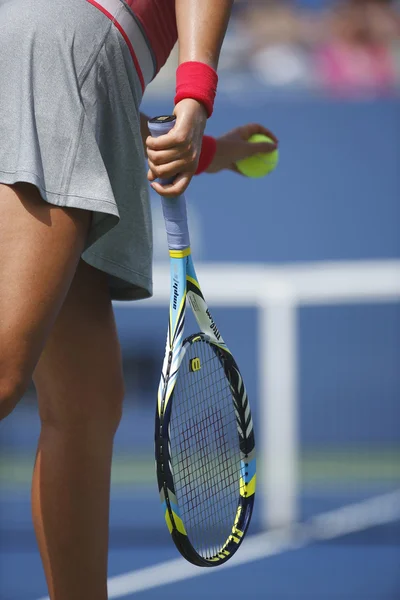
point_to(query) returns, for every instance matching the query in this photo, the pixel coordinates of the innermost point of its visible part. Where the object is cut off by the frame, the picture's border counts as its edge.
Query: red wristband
(208, 150)
(198, 81)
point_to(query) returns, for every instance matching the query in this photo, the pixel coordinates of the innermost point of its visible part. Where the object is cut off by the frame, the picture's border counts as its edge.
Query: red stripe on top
(127, 40)
(158, 19)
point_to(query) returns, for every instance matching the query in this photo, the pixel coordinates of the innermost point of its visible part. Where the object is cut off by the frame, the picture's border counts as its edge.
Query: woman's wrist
(208, 150)
(197, 81)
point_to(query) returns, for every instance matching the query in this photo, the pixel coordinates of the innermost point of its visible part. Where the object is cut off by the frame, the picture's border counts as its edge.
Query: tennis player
(75, 231)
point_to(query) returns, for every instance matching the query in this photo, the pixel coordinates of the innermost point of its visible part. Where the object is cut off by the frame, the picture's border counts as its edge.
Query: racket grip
(174, 209)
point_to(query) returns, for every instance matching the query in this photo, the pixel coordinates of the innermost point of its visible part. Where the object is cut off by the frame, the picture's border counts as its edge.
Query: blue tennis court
(285, 565)
(346, 545)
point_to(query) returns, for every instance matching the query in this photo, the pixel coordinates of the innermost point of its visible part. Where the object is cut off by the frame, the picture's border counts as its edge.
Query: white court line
(334, 524)
(172, 571)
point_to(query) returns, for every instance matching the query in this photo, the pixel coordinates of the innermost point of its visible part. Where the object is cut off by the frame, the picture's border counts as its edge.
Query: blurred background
(318, 342)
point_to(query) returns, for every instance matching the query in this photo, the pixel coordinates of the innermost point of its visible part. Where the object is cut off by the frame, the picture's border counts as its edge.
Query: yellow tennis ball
(259, 165)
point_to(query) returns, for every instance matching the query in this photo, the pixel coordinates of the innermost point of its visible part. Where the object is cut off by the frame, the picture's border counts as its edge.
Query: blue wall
(335, 196)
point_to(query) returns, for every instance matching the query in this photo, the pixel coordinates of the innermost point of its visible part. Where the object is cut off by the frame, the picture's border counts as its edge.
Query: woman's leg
(40, 246)
(80, 389)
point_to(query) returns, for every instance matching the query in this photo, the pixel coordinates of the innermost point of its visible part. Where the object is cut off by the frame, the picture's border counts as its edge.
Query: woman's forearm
(201, 29)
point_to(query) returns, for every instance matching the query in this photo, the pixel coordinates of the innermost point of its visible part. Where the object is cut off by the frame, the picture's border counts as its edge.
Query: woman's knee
(96, 411)
(11, 391)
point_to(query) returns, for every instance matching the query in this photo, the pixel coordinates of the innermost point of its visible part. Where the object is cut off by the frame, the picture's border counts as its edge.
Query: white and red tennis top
(149, 29)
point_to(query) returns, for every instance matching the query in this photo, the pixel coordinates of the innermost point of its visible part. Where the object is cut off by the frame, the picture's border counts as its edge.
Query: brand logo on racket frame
(195, 365)
(176, 295)
(213, 326)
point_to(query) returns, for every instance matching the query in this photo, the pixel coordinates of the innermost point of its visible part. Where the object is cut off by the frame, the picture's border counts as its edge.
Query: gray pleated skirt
(70, 125)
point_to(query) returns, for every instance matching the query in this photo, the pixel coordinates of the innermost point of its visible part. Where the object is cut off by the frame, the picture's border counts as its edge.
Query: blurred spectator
(357, 55)
(278, 55)
(344, 48)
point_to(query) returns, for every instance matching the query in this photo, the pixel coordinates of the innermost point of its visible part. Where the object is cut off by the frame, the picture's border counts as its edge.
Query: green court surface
(324, 467)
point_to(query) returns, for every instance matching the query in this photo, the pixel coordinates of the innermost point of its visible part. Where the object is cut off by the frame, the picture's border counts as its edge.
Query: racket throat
(166, 378)
(204, 317)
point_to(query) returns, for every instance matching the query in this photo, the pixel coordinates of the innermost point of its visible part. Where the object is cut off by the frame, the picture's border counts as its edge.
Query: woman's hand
(233, 146)
(176, 154)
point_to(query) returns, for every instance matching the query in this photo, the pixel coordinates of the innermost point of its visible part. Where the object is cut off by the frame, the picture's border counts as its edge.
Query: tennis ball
(258, 165)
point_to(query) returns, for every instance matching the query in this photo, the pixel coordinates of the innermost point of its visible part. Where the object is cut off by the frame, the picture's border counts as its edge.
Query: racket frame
(185, 286)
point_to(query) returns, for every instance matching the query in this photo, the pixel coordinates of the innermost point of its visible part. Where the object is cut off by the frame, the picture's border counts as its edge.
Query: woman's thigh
(40, 248)
(79, 375)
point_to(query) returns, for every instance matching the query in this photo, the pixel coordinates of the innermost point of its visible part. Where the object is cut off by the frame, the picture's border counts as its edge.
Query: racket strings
(204, 450)
(205, 462)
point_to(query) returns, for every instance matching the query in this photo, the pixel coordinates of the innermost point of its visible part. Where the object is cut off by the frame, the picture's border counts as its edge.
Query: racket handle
(174, 209)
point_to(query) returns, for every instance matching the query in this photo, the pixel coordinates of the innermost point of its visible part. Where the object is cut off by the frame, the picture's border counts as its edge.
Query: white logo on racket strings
(213, 326)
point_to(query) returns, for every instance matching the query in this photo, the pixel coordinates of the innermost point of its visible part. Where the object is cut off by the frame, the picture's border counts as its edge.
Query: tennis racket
(204, 439)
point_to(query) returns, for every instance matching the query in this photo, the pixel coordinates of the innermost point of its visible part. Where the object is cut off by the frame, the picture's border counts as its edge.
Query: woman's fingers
(258, 148)
(164, 157)
(252, 128)
(169, 162)
(176, 155)
(170, 170)
(172, 139)
(172, 190)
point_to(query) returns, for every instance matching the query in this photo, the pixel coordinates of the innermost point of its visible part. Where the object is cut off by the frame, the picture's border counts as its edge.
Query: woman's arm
(231, 146)
(201, 31)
